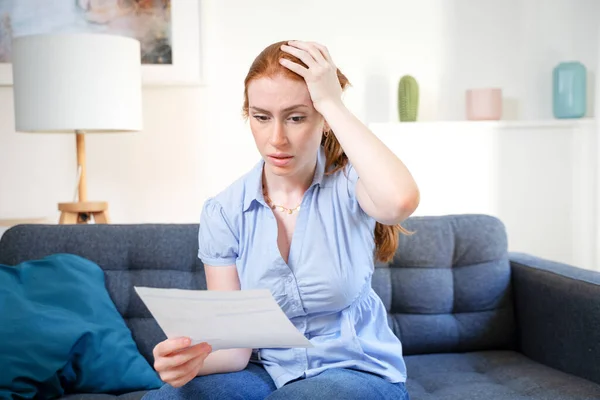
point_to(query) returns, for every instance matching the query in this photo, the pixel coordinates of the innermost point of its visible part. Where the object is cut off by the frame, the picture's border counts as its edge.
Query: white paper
(223, 319)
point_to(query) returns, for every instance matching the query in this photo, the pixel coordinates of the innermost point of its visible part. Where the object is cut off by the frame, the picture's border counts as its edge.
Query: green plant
(408, 98)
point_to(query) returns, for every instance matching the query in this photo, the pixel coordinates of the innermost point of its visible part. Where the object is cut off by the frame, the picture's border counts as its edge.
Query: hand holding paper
(224, 319)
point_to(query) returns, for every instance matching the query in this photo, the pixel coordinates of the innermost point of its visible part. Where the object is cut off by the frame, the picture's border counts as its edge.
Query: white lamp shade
(81, 81)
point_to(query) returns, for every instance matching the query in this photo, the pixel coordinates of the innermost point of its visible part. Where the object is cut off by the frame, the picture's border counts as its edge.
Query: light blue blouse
(324, 288)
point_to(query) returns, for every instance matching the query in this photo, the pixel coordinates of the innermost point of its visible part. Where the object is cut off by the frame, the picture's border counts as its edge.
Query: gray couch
(476, 321)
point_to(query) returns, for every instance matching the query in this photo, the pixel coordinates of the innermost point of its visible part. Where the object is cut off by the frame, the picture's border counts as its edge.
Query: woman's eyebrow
(290, 108)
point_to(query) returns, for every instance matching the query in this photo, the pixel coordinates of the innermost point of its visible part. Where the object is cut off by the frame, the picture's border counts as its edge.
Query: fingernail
(186, 341)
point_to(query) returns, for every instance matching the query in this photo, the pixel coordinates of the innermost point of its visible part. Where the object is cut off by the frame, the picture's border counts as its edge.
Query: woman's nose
(278, 136)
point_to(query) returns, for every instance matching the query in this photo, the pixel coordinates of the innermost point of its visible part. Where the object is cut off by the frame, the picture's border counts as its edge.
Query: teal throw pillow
(61, 333)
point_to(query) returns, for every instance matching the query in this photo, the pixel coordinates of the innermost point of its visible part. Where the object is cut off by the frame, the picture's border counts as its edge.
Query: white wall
(539, 178)
(515, 44)
(195, 142)
(151, 176)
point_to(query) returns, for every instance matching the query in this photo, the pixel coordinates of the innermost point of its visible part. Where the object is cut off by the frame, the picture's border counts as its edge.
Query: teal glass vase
(569, 98)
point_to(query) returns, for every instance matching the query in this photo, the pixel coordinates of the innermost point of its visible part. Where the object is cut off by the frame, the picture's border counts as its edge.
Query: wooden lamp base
(83, 212)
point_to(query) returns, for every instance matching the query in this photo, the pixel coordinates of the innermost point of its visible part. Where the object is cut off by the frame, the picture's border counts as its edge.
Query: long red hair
(267, 64)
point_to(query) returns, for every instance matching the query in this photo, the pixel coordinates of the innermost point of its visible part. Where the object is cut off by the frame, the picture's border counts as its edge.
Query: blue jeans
(254, 383)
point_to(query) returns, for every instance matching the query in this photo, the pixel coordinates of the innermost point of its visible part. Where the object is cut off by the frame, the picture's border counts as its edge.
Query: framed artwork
(168, 31)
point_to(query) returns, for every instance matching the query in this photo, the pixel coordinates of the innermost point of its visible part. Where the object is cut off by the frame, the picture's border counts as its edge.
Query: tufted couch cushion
(448, 288)
(491, 375)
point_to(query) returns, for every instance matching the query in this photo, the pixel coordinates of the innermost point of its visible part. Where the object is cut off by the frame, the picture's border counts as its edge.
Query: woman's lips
(280, 160)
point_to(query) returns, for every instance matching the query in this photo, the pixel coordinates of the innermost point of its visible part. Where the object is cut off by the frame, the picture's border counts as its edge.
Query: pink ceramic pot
(484, 104)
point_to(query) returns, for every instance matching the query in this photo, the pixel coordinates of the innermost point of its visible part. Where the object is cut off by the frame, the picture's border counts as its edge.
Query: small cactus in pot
(408, 99)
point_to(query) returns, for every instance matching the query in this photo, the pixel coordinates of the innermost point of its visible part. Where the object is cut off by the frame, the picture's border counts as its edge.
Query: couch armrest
(557, 308)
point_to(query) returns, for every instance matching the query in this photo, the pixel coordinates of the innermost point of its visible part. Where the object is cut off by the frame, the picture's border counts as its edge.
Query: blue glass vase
(569, 90)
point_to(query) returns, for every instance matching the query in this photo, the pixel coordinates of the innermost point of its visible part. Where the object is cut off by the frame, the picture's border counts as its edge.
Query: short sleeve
(217, 241)
(346, 184)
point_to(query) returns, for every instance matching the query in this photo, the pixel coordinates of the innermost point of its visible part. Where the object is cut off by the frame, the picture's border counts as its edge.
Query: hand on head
(320, 76)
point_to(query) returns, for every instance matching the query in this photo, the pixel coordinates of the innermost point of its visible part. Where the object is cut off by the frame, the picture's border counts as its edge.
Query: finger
(184, 380)
(182, 373)
(322, 49)
(179, 372)
(177, 359)
(169, 346)
(303, 55)
(187, 377)
(312, 49)
(292, 66)
(325, 52)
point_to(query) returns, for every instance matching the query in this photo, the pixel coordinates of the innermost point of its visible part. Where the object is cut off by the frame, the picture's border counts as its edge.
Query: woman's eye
(261, 118)
(298, 118)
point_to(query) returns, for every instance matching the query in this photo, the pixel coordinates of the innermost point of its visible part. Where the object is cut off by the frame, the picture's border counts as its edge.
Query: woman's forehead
(277, 92)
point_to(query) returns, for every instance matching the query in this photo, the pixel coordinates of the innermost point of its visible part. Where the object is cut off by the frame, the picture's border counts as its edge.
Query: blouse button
(290, 279)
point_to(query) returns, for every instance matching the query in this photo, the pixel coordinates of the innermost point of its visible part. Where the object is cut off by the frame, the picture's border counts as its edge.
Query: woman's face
(286, 127)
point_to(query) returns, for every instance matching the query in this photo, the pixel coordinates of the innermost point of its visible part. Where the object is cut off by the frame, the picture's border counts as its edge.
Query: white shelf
(501, 124)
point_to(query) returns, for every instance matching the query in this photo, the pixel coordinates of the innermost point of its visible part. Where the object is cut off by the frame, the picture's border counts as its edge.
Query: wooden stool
(83, 212)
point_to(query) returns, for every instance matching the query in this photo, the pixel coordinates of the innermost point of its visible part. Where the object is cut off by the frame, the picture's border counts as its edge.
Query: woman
(306, 223)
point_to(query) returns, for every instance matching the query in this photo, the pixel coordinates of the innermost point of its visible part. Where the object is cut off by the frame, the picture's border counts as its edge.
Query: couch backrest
(131, 255)
(448, 288)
